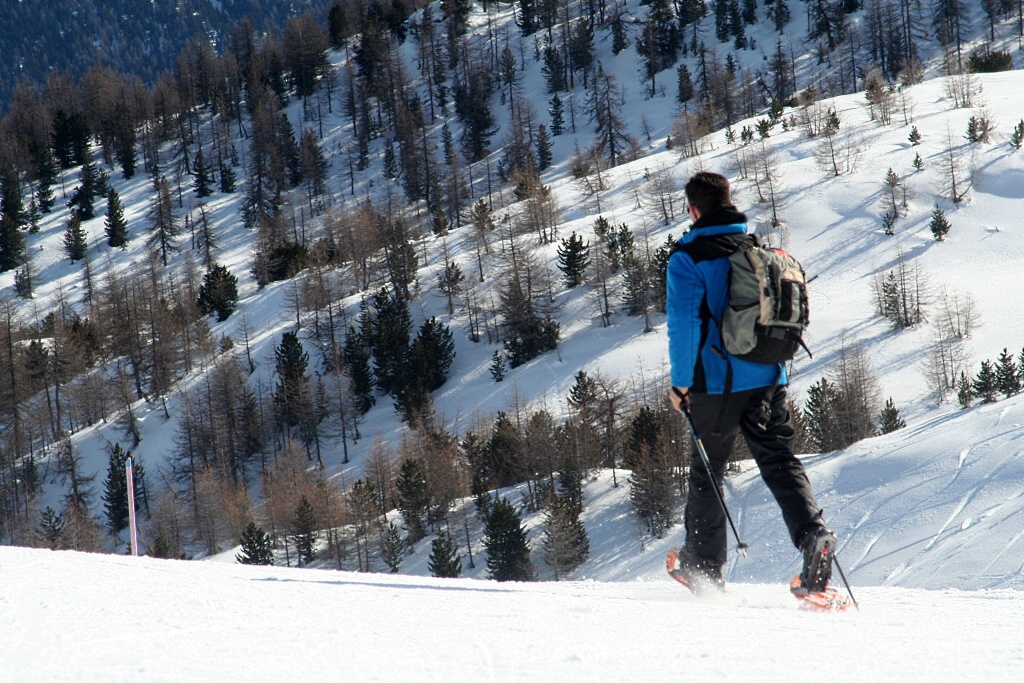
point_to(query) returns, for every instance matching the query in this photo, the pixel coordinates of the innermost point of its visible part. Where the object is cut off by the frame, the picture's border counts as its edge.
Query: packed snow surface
(929, 520)
(73, 617)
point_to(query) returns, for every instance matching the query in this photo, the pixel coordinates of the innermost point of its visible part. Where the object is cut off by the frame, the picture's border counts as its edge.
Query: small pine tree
(889, 419)
(566, 545)
(498, 366)
(508, 551)
(543, 147)
(684, 84)
(450, 283)
(915, 136)
(51, 527)
(115, 490)
(445, 561)
(978, 129)
(939, 225)
(619, 39)
(115, 225)
(573, 259)
(227, 178)
(256, 546)
(556, 110)
(889, 223)
(413, 498)
(964, 391)
(83, 200)
(23, 281)
(392, 548)
(821, 417)
(390, 163)
(438, 221)
(985, 385)
(304, 525)
(1017, 137)
(218, 293)
(202, 175)
(918, 162)
(360, 372)
(1008, 379)
(75, 239)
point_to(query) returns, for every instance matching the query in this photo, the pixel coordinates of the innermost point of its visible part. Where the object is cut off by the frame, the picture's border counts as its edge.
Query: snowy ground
(74, 617)
(929, 523)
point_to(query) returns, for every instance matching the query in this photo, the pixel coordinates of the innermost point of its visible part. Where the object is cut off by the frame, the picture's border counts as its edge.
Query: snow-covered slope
(74, 617)
(935, 505)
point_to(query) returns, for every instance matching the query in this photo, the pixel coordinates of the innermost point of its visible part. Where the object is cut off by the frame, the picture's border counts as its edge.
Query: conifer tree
(1008, 379)
(413, 498)
(543, 147)
(915, 136)
(12, 243)
(939, 225)
(918, 162)
(445, 561)
(1017, 137)
(556, 110)
(218, 293)
(573, 259)
(75, 240)
(450, 283)
(431, 355)
(508, 551)
(304, 525)
(821, 416)
(115, 490)
(527, 333)
(986, 384)
(684, 84)
(84, 198)
(964, 391)
(889, 419)
(620, 41)
(256, 546)
(202, 175)
(651, 489)
(291, 395)
(47, 178)
(553, 69)
(360, 373)
(51, 527)
(498, 366)
(566, 545)
(115, 225)
(227, 178)
(388, 333)
(392, 548)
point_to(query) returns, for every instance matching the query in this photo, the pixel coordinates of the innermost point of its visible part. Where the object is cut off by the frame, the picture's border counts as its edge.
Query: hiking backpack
(767, 308)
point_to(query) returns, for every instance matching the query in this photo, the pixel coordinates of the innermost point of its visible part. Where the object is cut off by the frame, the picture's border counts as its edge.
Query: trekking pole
(842, 574)
(741, 547)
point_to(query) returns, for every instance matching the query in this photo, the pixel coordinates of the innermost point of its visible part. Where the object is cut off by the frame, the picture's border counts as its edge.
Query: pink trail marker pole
(132, 532)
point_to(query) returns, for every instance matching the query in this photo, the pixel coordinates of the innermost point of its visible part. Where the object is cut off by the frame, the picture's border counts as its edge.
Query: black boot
(818, 546)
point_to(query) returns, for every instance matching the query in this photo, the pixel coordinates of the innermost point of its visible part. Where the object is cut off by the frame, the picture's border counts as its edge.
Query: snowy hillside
(932, 506)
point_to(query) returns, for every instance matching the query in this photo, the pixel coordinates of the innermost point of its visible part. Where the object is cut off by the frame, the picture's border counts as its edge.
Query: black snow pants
(772, 448)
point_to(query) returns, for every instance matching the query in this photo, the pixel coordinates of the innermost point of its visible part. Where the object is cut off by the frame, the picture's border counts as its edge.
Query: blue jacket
(691, 340)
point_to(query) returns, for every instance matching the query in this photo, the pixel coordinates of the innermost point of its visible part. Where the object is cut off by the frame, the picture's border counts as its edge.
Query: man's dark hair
(708, 191)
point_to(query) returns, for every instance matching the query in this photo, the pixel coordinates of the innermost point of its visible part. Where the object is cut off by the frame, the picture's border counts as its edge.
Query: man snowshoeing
(725, 395)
